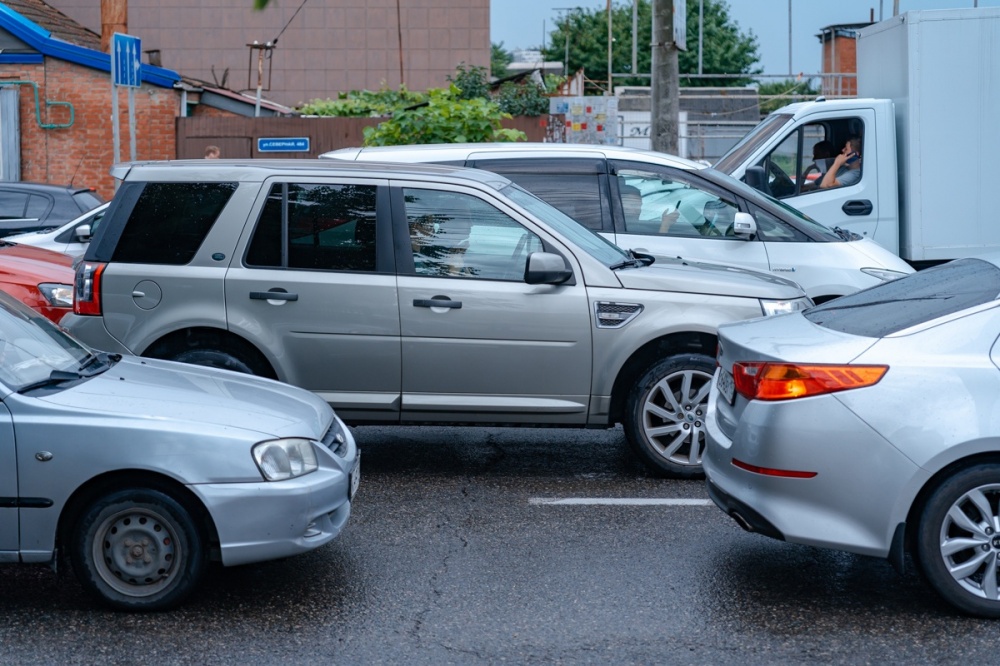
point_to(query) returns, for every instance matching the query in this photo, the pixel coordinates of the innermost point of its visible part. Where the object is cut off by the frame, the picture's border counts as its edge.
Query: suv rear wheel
(665, 414)
(216, 358)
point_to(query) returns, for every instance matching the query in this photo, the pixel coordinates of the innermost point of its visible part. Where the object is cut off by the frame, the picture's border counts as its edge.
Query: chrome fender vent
(615, 315)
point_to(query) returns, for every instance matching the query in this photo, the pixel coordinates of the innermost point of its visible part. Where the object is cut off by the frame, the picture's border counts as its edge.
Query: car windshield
(747, 145)
(596, 246)
(32, 347)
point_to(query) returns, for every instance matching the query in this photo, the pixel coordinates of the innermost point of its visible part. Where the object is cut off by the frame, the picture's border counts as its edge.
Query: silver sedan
(871, 424)
(143, 471)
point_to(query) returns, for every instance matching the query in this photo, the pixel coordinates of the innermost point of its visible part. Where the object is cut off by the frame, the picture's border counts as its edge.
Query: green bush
(522, 99)
(363, 103)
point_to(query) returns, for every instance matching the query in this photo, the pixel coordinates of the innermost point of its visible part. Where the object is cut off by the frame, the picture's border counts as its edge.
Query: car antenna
(76, 171)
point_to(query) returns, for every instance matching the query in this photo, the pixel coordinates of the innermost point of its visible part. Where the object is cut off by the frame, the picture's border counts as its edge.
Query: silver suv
(412, 294)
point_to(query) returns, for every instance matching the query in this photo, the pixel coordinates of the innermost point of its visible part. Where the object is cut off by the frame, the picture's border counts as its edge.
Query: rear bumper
(745, 517)
(91, 331)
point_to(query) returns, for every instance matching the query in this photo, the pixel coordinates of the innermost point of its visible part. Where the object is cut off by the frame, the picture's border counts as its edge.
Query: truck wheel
(958, 544)
(138, 550)
(664, 422)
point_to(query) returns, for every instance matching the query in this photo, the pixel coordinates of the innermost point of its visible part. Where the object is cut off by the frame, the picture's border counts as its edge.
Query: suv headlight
(58, 295)
(282, 459)
(776, 307)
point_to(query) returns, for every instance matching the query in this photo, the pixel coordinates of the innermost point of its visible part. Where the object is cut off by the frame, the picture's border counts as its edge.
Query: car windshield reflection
(32, 348)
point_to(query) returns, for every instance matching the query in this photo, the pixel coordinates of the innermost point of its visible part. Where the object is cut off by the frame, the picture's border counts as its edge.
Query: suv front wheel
(665, 414)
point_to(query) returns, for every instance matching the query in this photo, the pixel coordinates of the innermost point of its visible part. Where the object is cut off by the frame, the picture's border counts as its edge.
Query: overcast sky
(522, 23)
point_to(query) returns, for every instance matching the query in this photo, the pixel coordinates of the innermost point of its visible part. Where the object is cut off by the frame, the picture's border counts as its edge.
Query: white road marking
(620, 501)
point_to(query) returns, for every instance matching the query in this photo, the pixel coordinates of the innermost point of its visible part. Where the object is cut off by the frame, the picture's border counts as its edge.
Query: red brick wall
(841, 57)
(84, 152)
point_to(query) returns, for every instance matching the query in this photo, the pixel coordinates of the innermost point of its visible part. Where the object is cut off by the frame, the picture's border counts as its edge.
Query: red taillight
(770, 471)
(785, 381)
(87, 290)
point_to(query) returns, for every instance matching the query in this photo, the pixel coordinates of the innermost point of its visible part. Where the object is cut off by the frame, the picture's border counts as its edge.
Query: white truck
(928, 115)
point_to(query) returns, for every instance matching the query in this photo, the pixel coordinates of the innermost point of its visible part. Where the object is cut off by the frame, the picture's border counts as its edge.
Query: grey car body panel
(513, 352)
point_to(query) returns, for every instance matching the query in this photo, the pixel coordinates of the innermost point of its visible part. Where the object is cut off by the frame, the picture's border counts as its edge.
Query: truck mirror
(757, 179)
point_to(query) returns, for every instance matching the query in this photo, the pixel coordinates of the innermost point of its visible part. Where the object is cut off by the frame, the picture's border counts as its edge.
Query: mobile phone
(852, 158)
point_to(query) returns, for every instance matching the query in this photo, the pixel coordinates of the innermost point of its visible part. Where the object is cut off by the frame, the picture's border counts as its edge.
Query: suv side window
(316, 226)
(169, 222)
(459, 235)
(655, 203)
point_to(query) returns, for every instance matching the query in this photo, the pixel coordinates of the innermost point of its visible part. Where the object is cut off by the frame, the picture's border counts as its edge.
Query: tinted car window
(579, 196)
(87, 200)
(458, 235)
(12, 204)
(38, 206)
(914, 299)
(169, 222)
(329, 227)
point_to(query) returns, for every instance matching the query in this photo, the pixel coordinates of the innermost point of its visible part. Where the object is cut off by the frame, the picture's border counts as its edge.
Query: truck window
(749, 143)
(798, 164)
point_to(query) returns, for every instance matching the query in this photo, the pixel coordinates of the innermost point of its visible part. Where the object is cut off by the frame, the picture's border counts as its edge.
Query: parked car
(671, 207)
(412, 294)
(143, 471)
(28, 206)
(41, 279)
(71, 238)
(870, 424)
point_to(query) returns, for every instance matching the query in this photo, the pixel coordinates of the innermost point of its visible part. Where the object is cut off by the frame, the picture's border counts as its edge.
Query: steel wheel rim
(136, 552)
(970, 541)
(673, 416)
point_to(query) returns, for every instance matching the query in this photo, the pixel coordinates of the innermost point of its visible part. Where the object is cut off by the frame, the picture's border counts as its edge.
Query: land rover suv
(412, 294)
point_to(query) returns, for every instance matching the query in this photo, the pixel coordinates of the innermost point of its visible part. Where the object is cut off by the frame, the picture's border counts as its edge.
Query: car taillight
(785, 381)
(87, 292)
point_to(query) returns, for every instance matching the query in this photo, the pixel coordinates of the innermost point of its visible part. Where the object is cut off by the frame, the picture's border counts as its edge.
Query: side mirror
(756, 178)
(744, 226)
(82, 233)
(546, 268)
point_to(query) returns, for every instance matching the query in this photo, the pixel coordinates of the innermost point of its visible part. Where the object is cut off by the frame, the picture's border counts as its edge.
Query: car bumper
(92, 332)
(270, 520)
(852, 502)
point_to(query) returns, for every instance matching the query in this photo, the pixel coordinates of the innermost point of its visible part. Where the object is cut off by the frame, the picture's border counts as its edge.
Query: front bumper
(270, 520)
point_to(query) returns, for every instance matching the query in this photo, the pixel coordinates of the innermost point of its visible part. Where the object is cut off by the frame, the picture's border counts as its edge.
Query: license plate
(727, 389)
(355, 477)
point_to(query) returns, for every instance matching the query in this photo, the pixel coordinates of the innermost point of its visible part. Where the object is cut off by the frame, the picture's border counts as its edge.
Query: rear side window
(912, 300)
(87, 199)
(316, 227)
(12, 204)
(170, 221)
(579, 196)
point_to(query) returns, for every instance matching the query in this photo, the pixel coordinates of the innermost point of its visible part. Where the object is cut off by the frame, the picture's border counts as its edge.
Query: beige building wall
(330, 46)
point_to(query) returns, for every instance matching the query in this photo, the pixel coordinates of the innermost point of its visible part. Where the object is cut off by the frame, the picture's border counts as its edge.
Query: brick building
(840, 59)
(322, 48)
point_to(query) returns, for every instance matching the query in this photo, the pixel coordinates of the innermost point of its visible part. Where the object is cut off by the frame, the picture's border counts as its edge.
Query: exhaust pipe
(741, 521)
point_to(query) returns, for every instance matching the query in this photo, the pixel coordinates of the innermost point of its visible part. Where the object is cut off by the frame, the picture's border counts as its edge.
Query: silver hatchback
(413, 294)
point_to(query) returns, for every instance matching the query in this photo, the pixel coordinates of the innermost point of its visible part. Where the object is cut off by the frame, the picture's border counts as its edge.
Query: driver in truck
(846, 167)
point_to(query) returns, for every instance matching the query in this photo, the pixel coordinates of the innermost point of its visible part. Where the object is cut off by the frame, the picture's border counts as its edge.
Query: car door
(479, 344)
(317, 284)
(9, 542)
(669, 213)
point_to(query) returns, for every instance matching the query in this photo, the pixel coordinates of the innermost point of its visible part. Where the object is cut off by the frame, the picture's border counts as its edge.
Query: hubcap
(673, 416)
(970, 543)
(136, 552)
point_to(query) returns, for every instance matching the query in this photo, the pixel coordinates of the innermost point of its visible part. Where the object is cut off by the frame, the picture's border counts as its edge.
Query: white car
(668, 206)
(71, 238)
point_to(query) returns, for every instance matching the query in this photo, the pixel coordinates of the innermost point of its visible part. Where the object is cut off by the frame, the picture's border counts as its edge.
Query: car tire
(217, 358)
(665, 412)
(138, 550)
(958, 544)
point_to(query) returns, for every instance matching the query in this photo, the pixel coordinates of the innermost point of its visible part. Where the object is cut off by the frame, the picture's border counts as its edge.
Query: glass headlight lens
(774, 307)
(282, 459)
(882, 274)
(59, 295)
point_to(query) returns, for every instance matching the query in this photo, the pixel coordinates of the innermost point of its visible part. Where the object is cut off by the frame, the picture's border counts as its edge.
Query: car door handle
(273, 296)
(436, 302)
(857, 207)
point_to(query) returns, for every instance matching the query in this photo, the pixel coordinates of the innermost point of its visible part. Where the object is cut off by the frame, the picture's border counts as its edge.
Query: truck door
(796, 168)
(8, 490)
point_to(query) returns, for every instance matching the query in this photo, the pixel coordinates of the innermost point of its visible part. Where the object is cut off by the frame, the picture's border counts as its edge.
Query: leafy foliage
(776, 94)
(522, 99)
(726, 50)
(499, 59)
(361, 103)
(472, 81)
(445, 118)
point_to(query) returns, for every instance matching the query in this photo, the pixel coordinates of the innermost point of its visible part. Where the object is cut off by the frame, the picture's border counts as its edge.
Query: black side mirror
(756, 178)
(546, 268)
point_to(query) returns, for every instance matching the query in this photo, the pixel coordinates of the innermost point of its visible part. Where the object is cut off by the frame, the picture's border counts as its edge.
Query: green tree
(776, 94)
(499, 59)
(727, 50)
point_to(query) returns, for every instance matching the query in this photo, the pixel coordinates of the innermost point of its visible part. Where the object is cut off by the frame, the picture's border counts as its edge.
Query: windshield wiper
(845, 234)
(55, 378)
(632, 262)
(102, 361)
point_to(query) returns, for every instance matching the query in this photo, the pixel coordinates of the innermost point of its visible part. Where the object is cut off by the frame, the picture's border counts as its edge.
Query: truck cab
(786, 147)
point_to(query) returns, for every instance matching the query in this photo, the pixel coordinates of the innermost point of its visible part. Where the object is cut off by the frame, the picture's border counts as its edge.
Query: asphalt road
(454, 556)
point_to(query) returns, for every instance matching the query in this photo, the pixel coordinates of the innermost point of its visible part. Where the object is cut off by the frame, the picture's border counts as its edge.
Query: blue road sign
(284, 144)
(126, 60)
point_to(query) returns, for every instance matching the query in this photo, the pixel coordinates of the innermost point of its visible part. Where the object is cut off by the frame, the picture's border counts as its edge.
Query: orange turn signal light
(786, 381)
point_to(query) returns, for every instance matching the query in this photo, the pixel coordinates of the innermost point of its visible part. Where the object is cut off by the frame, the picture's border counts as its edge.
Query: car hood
(791, 338)
(149, 388)
(33, 264)
(880, 257)
(703, 278)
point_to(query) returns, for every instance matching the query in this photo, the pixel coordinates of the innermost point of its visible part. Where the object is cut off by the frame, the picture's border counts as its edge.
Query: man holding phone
(846, 167)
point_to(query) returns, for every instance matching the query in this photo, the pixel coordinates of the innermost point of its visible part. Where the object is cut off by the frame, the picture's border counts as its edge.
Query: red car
(41, 279)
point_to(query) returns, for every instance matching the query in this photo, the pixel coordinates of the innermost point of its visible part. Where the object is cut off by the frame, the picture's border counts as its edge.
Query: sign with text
(298, 144)
(126, 60)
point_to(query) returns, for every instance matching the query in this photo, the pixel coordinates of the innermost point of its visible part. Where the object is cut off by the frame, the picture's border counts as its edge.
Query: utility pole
(666, 87)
